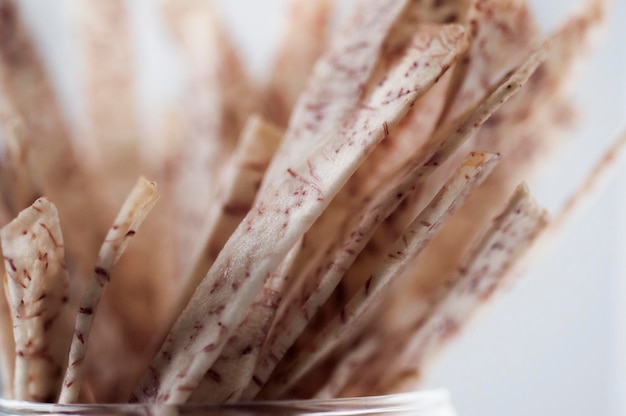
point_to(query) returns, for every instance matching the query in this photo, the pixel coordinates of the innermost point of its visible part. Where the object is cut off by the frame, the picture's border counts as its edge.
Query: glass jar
(423, 403)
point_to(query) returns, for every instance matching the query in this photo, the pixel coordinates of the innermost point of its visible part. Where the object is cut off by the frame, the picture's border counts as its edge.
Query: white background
(553, 344)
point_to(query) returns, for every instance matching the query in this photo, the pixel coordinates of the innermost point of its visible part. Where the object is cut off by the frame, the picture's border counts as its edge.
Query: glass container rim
(421, 400)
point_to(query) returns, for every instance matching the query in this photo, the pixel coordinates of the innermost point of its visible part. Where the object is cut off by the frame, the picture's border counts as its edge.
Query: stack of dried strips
(323, 234)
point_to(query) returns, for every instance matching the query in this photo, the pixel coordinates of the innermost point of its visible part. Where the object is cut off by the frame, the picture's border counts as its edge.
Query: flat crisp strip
(38, 293)
(284, 210)
(230, 374)
(337, 83)
(303, 41)
(110, 85)
(141, 200)
(498, 255)
(502, 33)
(474, 169)
(293, 321)
(235, 196)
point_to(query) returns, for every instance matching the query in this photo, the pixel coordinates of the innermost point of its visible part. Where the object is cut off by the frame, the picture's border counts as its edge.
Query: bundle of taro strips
(321, 234)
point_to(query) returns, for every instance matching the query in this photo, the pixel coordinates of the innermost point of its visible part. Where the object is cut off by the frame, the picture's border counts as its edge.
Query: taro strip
(498, 254)
(284, 210)
(502, 33)
(292, 322)
(135, 209)
(231, 373)
(337, 82)
(474, 169)
(109, 86)
(37, 288)
(303, 41)
(240, 181)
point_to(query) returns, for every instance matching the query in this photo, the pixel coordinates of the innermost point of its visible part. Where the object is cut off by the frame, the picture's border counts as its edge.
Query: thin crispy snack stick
(303, 41)
(231, 372)
(570, 45)
(448, 143)
(502, 33)
(284, 210)
(37, 289)
(338, 79)
(241, 180)
(141, 200)
(471, 172)
(498, 257)
(110, 83)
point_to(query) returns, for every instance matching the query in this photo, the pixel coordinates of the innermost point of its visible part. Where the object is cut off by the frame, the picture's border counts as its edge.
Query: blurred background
(555, 342)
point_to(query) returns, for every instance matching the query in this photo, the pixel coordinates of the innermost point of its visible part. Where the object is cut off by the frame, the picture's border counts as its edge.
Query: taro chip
(38, 293)
(141, 200)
